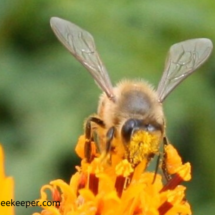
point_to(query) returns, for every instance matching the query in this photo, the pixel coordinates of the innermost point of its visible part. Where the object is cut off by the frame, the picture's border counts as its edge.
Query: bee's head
(141, 139)
(133, 125)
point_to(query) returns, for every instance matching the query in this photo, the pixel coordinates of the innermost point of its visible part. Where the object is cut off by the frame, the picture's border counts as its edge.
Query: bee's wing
(183, 59)
(81, 45)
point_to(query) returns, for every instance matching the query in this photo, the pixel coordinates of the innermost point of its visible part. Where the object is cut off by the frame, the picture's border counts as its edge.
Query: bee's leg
(88, 136)
(110, 135)
(163, 163)
(156, 167)
(87, 145)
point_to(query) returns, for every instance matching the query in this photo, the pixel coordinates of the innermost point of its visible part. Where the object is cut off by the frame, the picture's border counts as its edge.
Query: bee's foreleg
(156, 167)
(88, 136)
(163, 163)
(110, 135)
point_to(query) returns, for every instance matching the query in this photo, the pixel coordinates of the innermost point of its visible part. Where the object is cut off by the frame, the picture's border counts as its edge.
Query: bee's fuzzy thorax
(133, 99)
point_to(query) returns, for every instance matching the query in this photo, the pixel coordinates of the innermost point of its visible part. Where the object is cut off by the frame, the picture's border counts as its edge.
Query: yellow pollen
(143, 144)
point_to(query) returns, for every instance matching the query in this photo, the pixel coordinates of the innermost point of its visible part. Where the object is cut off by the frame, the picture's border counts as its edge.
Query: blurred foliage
(45, 95)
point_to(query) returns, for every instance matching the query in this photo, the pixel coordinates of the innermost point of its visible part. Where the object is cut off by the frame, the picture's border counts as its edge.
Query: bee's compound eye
(151, 128)
(128, 128)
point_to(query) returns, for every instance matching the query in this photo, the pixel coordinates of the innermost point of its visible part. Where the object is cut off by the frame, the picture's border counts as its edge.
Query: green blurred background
(45, 94)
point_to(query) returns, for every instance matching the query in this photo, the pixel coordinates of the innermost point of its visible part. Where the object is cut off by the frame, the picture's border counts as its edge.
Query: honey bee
(130, 106)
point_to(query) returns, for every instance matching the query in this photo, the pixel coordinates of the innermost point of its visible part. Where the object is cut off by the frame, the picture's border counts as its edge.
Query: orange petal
(172, 159)
(6, 188)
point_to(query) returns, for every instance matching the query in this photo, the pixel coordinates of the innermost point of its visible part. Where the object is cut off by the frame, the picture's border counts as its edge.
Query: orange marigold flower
(102, 187)
(6, 188)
